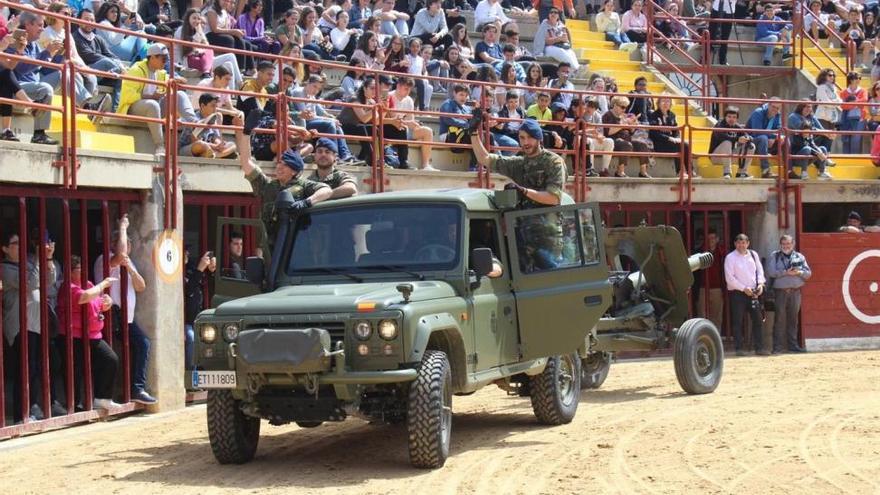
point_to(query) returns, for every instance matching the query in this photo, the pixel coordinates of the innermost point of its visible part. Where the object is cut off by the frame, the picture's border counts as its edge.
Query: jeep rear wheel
(556, 391)
(698, 356)
(594, 369)
(429, 412)
(233, 435)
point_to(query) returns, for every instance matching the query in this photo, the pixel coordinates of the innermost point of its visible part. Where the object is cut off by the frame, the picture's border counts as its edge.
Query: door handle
(507, 310)
(593, 300)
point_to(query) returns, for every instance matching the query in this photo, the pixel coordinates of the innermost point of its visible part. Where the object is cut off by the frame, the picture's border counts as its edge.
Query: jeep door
(559, 277)
(230, 278)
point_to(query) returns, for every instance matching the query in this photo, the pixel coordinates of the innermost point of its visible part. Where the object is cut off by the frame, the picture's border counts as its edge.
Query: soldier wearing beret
(341, 182)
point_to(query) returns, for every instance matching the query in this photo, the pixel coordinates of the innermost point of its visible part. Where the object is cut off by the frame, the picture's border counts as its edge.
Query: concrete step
(859, 171)
(100, 141)
(615, 65)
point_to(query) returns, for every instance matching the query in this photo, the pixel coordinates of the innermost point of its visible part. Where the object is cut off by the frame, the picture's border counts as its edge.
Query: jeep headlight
(388, 329)
(230, 332)
(363, 330)
(208, 333)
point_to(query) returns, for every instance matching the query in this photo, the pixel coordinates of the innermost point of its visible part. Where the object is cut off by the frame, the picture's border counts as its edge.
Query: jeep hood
(331, 298)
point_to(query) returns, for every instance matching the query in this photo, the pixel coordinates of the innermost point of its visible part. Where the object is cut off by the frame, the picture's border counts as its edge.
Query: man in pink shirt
(744, 275)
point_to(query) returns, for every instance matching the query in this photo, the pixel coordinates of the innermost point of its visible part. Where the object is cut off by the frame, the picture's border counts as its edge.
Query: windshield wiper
(334, 271)
(396, 268)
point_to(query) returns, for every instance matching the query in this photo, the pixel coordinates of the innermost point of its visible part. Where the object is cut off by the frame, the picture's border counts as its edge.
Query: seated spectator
(90, 300)
(129, 48)
(430, 27)
(9, 88)
(494, 94)
(203, 60)
(854, 224)
(193, 297)
(399, 125)
(359, 14)
(804, 111)
(454, 129)
(597, 84)
(635, 24)
(28, 75)
(395, 58)
(265, 76)
(803, 144)
(511, 110)
(393, 22)
(358, 121)
(640, 106)
(511, 37)
(327, 19)
(453, 9)
(778, 31)
(563, 72)
(416, 64)
(852, 29)
(251, 22)
(676, 30)
(368, 51)
(869, 49)
(563, 6)
(816, 22)
(608, 22)
(221, 80)
(158, 16)
(669, 140)
(206, 142)
(554, 40)
(534, 79)
(221, 33)
(728, 138)
(316, 117)
(508, 76)
(265, 147)
(374, 25)
(352, 81)
(853, 116)
(461, 41)
(489, 12)
(560, 135)
(313, 39)
(768, 117)
(434, 67)
(288, 32)
(873, 121)
(344, 38)
(150, 100)
(96, 54)
(488, 51)
(596, 140)
(620, 128)
(541, 109)
(826, 91)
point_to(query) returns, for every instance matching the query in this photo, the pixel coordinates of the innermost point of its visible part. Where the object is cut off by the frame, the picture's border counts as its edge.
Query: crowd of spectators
(418, 40)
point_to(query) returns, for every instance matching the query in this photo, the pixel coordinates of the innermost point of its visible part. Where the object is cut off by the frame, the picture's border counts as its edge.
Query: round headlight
(208, 333)
(230, 332)
(388, 329)
(363, 330)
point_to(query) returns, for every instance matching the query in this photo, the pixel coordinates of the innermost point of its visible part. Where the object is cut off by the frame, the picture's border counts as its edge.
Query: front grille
(336, 329)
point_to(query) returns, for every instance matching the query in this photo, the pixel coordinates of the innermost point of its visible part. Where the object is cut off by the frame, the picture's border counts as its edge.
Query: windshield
(373, 238)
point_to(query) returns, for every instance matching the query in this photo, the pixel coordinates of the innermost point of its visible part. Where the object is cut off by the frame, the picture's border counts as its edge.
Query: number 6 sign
(168, 256)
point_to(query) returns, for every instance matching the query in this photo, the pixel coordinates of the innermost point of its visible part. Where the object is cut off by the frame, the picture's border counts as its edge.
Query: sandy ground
(786, 424)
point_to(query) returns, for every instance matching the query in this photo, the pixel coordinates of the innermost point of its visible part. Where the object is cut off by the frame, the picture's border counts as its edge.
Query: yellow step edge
(100, 141)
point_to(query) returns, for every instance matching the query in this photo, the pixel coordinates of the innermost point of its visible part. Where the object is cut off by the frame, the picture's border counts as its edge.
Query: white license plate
(213, 379)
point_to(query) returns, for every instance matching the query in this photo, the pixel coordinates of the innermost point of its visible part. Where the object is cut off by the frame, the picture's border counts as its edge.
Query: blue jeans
(130, 48)
(761, 148)
(318, 49)
(506, 141)
(111, 65)
(617, 38)
(852, 144)
(189, 337)
(140, 356)
(85, 84)
(325, 126)
(398, 27)
(804, 163)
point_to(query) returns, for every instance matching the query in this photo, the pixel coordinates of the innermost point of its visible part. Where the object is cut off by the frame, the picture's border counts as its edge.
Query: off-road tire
(233, 435)
(594, 369)
(698, 356)
(429, 412)
(556, 390)
(309, 424)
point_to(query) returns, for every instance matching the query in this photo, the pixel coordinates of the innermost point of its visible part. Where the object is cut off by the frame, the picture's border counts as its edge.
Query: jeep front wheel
(698, 356)
(233, 434)
(556, 390)
(594, 369)
(429, 412)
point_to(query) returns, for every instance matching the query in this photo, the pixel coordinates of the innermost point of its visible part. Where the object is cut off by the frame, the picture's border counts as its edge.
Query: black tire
(594, 369)
(429, 412)
(233, 435)
(309, 424)
(698, 356)
(556, 391)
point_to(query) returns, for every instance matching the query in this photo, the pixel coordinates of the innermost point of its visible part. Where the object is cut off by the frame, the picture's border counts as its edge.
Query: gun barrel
(700, 261)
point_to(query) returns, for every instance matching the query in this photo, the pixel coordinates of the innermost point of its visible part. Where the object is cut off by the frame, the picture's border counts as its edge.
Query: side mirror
(481, 261)
(255, 269)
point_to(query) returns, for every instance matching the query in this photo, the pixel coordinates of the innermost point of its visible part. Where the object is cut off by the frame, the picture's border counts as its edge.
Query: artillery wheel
(556, 391)
(233, 434)
(309, 424)
(429, 412)
(698, 356)
(594, 369)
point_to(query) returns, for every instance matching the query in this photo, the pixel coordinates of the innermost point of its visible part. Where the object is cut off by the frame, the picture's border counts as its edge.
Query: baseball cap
(854, 215)
(157, 49)
(558, 107)
(326, 143)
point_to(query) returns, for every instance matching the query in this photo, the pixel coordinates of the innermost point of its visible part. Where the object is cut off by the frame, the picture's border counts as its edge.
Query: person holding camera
(728, 139)
(744, 275)
(193, 283)
(788, 269)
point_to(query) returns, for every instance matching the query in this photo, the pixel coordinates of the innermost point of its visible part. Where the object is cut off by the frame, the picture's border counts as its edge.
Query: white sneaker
(160, 150)
(106, 404)
(825, 176)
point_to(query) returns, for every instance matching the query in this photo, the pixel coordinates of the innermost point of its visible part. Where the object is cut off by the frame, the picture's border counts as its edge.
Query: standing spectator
(853, 115)
(342, 184)
(127, 47)
(788, 269)
(221, 33)
(359, 14)
(203, 60)
(826, 91)
(488, 51)
(563, 6)
(669, 140)
(554, 40)
(608, 22)
(713, 289)
(728, 139)
(489, 12)
(744, 275)
(96, 54)
(358, 121)
(620, 127)
(251, 22)
(316, 117)
(719, 31)
(596, 140)
(635, 24)
(461, 40)
(430, 27)
(873, 120)
(13, 297)
(393, 22)
(194, 298)
(777, 31)
(368, 51)
(89, 299)
(140, 343)
(563, 72)
(416, 64)
(150, 100)
(769, 117)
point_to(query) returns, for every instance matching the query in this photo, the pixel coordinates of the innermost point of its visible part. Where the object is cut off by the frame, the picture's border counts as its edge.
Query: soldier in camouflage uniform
(342, 183)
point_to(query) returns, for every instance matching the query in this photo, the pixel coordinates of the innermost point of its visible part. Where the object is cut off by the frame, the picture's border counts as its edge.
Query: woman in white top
(221, 33)
(418, 67)
(203, 59)
(635, 23)
(397, 124)
(461, 41)
(312, 37)
(608, 21)
(86, 84)
(127, 47)
(598, 85)
(826, 91)
(554, 40)
(344, 39)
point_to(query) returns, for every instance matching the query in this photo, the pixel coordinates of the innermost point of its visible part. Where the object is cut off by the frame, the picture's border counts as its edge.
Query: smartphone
(210, 254)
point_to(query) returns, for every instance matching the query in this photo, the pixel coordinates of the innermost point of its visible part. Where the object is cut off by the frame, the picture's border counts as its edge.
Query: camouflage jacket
(267, 190)
(544, 172)
(335, 179)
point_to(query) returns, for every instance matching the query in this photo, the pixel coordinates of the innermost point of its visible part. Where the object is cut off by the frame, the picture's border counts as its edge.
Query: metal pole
(84, 277)
(23, 296)
(42, 263)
